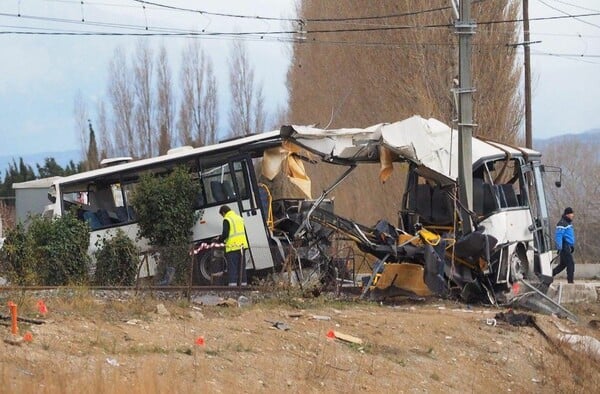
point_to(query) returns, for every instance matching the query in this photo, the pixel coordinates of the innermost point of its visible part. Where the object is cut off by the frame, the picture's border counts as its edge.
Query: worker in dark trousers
(564, 238)
(234, 237)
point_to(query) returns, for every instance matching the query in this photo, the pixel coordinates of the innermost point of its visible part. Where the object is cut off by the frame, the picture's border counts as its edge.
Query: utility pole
(528, 133)
(465, 28)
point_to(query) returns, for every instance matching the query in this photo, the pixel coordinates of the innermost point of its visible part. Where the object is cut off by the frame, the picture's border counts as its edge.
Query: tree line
(148, 109)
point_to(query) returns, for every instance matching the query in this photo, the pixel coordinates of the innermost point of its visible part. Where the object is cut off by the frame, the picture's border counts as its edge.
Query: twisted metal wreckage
(506, 257)
(503, 257)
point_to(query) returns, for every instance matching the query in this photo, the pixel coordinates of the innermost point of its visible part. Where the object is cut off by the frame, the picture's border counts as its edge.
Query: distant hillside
(62, 158)
(587, 137)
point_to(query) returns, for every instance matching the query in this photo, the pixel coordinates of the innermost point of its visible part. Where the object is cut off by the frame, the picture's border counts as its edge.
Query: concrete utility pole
(465, 28)
(528, 132)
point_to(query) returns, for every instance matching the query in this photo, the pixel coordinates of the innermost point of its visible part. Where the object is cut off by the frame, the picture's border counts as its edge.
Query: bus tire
(210, 268)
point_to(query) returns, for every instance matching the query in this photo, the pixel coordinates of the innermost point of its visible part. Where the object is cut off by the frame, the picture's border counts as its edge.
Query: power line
(203, 12)
(566, 13)
(577, 6)
(180, 32)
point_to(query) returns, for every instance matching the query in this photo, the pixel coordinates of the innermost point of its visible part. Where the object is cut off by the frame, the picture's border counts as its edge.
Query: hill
(591, 136)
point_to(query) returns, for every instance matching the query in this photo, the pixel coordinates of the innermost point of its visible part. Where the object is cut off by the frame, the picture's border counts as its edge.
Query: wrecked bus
(426, 252)
(509, 244)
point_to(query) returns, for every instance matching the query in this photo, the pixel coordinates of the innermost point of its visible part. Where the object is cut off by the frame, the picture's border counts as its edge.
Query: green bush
(61, 245)
(52, 251)
(116, 261)
(165, 211)
(17, 260)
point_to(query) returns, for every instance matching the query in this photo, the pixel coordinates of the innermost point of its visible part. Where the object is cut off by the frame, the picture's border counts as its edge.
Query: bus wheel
(209, 268)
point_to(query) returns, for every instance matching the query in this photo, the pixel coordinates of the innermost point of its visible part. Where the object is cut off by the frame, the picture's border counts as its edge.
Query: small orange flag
(42, 307)
(28, 337)
(200, 341)
(331, 334)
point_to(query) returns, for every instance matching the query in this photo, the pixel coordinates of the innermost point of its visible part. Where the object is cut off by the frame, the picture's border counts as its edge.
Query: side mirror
(547, 168)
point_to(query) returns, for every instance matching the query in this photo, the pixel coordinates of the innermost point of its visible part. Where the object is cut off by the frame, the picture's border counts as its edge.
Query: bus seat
(423, 201)
(92, 220)
(218, 193)
(228, 189)
(103, 217)
(441, 207)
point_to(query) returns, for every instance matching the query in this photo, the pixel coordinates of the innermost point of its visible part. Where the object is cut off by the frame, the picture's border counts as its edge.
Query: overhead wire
(566, 13)
(284, 36)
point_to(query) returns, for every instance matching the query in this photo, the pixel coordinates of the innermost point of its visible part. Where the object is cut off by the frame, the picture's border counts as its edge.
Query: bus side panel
(147, 262)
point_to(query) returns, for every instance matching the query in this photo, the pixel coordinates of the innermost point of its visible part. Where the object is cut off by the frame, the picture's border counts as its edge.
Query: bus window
(219, 187)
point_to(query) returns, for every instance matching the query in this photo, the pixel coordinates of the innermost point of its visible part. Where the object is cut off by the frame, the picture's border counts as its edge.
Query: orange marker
(42, 307)
(331, 334)
(200, 341)
(13, 315)
(28, 337)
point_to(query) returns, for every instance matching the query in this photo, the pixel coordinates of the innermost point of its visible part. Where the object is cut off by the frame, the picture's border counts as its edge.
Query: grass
(303, 356)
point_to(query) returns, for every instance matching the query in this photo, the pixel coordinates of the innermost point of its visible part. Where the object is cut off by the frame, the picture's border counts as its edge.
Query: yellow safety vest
(236, 239)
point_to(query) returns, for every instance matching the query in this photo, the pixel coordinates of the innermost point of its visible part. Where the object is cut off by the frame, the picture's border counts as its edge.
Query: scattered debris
(295, 314)
(320, 317)
(516, 319)
(347, 338)
(594, 324)
(23, 319)
(583, 343)
(279, 325)
(112, 361)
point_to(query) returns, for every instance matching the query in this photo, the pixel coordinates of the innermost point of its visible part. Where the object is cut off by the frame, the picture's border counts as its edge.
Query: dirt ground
(107, 343)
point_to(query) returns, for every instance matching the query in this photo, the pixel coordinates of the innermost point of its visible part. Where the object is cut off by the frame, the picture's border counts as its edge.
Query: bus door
(233, 184)
(246, 188)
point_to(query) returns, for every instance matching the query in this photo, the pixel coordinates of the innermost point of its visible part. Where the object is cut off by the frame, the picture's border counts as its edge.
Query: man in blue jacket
(564, 238)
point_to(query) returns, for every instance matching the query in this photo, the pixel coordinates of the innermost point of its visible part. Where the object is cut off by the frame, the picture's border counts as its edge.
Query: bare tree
(106, 139)
(198, 112)
(580, 163)
(143, 68)
(246, 114)
(165, 103)
(122, 103)
(210, 111)
(81, 115)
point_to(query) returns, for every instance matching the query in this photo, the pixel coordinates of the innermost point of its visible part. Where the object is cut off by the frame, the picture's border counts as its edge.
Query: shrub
(165, 210)
(17, 260)
(52, 251)
(62, 244)
(116, 261)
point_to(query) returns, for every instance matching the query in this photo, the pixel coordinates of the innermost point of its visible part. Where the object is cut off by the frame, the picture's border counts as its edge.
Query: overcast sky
(40, 75)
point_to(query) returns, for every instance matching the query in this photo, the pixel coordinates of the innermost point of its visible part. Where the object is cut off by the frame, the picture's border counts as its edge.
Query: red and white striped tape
(206, 246)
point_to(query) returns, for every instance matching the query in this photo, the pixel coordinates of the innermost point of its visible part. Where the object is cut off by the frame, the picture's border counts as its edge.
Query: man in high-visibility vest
(234, 236)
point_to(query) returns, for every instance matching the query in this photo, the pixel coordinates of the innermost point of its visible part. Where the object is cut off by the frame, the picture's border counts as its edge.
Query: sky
(40, 75)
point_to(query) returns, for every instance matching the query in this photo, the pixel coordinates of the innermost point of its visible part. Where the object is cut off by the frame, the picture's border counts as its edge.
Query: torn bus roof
(428, 143)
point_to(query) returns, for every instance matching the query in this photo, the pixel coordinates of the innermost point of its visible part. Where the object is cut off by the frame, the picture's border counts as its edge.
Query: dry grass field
(100, 343)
